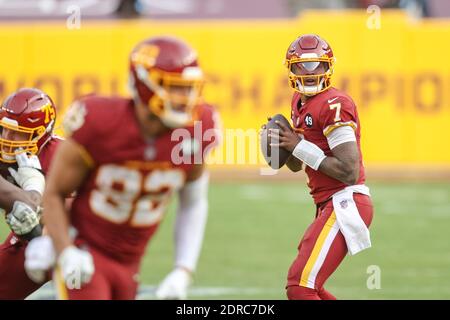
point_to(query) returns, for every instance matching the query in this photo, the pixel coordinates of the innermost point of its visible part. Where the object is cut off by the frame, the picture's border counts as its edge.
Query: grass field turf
(254, 229)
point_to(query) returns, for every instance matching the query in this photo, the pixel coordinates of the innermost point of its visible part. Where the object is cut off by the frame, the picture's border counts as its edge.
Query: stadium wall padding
(399, 74)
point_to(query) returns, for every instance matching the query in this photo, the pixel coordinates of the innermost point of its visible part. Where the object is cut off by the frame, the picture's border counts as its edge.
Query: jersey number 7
(336, 106)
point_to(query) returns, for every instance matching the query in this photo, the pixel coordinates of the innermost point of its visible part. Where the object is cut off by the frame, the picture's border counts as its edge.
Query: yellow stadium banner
(398, 73)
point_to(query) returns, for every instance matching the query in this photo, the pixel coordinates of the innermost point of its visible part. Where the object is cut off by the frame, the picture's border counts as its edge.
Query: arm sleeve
(341, 135)
(190, 223)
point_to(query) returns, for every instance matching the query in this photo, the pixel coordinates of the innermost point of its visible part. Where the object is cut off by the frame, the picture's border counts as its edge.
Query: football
(275, 157)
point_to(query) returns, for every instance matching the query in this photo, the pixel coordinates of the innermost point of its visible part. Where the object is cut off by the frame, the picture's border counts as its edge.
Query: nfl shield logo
(343, 204)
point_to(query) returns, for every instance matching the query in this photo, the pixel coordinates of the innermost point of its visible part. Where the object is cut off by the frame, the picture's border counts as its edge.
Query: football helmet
(166, 77)
(310, 62)
(27, 120)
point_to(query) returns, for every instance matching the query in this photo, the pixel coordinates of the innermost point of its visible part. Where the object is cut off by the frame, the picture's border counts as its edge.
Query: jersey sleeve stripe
(85, 155)
(333, 126)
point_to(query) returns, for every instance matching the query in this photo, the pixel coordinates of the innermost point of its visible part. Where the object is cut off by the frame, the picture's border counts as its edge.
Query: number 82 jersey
(120, 204)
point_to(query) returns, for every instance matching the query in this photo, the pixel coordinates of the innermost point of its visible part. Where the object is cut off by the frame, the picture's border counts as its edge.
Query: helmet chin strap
(173, 119)
(310, 90)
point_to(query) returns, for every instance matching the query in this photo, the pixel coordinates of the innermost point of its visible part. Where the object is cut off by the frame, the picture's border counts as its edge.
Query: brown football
(275, 157)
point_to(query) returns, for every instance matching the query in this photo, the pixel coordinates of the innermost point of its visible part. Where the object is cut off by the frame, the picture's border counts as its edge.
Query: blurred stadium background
(392, 58)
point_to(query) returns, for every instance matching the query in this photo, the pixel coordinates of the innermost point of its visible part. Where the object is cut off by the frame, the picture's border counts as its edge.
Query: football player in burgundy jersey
(326, 138)
(126, 158)
(27, 120)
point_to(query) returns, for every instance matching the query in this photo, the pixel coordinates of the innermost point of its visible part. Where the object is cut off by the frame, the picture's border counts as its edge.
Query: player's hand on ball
(22, 219)
(28, 176)
(175, 285)
(287, 139)
(264, 126)
(77, 265)
(40, 257)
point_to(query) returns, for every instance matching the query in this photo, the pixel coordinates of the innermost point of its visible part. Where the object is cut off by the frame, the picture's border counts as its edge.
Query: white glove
(22, 218)
(174, 285)
(39, 258)
(77, 266)
(28, 161)
(28, 176)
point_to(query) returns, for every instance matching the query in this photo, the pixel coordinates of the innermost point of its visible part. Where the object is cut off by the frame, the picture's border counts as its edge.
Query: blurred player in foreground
(27, 120)
(126, 158)
(327, 140)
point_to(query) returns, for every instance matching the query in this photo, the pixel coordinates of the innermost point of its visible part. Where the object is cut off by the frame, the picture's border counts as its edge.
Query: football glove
(77, 266)
(39, 258)
(22, 219)
(175, 285)
(28, 176)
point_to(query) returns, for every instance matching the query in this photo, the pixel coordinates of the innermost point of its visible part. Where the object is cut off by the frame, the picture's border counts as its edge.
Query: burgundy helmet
(303, 58)
(27, 120)
(157, 66)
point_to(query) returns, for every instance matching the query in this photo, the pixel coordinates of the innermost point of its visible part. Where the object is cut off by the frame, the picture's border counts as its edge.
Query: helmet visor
(309, 67)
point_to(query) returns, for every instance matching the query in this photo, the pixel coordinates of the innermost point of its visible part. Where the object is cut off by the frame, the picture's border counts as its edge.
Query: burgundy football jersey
(47, 152)
(45, 156)
(120, 204)
(315, 120)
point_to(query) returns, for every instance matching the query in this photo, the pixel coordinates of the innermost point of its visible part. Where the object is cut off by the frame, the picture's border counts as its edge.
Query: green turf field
(254, 229)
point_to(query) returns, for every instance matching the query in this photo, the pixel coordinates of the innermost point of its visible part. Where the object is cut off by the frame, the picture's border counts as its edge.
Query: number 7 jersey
(120, 204)
(315, 120)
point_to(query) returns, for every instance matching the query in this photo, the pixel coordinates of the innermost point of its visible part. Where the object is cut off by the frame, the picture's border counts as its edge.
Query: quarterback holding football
(325, 138)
